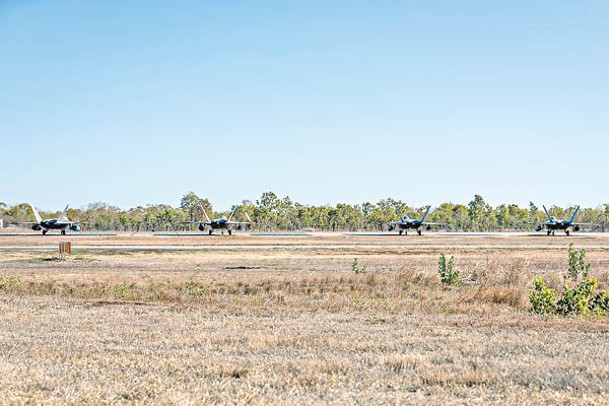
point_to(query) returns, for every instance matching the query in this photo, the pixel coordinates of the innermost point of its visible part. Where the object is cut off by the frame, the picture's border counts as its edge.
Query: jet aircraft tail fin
(205, 214)
(425, 215)
(36, 214)
(547, 213)
(64, 214)
(574, 214)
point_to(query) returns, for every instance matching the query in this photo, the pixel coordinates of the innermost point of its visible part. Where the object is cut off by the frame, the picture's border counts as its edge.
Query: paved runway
(253, 234)
(304, 241)
(322, 234)
(59, 235)
(289, 247)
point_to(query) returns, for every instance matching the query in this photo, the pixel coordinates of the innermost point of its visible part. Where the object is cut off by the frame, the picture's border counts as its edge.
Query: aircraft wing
(25, 222)
(250, 221)
(434, 224)
(67, 223)
(196, 222)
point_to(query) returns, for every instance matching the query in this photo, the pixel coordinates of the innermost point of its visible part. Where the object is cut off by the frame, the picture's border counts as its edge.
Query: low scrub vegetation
(484, 286)
(578, 269)
(445, 269)
(357, 269)
(366, 288)
(290, 327)
(582, 299)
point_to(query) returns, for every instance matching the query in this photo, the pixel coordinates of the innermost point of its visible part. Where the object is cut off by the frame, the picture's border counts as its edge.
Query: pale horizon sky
(139, 102)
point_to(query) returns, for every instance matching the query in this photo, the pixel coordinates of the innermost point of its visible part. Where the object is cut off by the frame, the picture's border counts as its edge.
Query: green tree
(19, 212)
(267, 209)
(605, 220)
(477, 213)
(194, 205)
(444, 214)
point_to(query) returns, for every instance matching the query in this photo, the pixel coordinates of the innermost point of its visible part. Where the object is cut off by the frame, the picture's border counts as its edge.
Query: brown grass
(276, 327)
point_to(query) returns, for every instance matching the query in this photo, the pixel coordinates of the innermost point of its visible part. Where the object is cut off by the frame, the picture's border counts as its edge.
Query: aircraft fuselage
(217, 224)
(54, 224)
(559, 225)
(406, 226)
(221, 224)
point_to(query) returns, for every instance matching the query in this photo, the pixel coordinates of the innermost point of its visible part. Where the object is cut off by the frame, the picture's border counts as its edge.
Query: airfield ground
(284, 319)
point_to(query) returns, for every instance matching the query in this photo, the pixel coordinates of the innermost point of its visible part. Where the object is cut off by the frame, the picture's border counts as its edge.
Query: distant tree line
(271, 213)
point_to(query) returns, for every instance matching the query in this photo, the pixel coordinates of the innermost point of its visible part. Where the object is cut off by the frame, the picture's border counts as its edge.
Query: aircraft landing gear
(401, 231)
(549, 232)
(419, 231)
(63, 232)
(567, 232)
(230, 232)
(210, 231)
(44, 232)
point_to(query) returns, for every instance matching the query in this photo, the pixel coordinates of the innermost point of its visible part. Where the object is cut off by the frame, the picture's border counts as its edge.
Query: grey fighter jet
(406, 222)
(60, 223)
(222, 223)
(554, 224)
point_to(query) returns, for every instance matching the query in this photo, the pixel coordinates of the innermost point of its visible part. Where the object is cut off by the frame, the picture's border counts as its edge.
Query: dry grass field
(286, 325)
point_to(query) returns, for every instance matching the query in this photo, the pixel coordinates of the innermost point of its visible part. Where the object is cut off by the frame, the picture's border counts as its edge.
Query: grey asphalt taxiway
(304, 241)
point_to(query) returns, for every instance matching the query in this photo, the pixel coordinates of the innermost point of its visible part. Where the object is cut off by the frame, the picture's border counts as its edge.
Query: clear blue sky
(135, 102)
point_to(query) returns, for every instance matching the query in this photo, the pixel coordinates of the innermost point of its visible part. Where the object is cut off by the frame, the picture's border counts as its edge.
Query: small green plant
(543, 299)
(447, 274)
(577, 264)
(197, 289)
(357, 269)
(121, 291)
(581, 299)
(600, 302)
(577, 300)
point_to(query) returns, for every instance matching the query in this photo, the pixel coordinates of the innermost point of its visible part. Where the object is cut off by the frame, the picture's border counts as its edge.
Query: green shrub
(577, 300)
(543, 299)
(197, 289)
(357, 269)
(582, 299)
(577, 264)
(447, 275)
(600, 302)
(121, 291)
